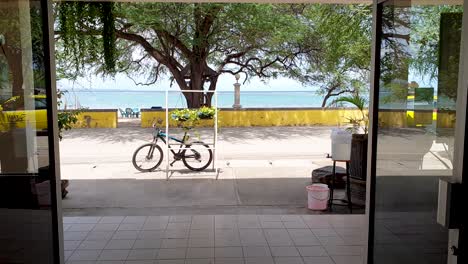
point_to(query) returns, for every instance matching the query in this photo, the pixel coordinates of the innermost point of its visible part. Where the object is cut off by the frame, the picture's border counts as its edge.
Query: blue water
(100, 99)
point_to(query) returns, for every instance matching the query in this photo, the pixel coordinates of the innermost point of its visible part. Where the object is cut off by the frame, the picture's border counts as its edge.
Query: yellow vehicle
(14, 114)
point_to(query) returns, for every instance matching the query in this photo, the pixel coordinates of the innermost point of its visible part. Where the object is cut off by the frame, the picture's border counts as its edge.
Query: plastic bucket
(317, 196)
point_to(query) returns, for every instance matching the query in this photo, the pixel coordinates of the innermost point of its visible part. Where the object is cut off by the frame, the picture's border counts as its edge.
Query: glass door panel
(28, 200)
(418, 66)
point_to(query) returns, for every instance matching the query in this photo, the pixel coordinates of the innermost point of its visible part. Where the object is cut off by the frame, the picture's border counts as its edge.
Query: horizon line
(121, 90)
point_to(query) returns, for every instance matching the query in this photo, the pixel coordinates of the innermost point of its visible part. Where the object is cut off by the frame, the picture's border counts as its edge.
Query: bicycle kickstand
(172, 163)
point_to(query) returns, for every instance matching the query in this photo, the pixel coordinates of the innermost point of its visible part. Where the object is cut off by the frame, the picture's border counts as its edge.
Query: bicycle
(191, 154)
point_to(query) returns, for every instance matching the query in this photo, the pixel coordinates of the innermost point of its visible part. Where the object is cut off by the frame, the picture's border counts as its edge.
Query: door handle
(454, 250)
(449, 204)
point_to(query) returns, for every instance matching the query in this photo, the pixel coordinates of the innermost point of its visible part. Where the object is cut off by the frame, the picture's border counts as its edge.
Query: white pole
(167, 135)
(215, 140)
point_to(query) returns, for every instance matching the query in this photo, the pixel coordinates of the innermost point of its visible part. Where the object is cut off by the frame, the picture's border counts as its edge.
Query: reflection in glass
(417, 94)
(25, 188)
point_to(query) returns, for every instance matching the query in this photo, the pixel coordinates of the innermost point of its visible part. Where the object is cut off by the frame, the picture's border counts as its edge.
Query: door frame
(52, 132)
(373, 124)
(456, 237)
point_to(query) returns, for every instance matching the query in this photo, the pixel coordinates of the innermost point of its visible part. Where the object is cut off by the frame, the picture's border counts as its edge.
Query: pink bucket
(318, 195)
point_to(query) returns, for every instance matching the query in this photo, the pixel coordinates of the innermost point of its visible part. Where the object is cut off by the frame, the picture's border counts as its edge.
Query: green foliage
(196, 40)
(325, 45)
(342, 65)
(65, 121)
(361, 123)
(186, 118)
(76, 50)
(189, 118)
(425, 36)
(67, 118)
(206, 112)
(410, 44)
(183, 115)
(108, 35)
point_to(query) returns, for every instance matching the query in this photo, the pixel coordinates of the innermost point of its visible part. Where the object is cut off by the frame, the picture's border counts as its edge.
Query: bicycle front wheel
(197, 156)
(147, 157)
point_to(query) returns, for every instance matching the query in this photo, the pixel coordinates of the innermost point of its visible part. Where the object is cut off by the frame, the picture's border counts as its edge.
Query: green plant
(183, 115)
(66, 119)
(206, 112)
(187, 118)
(358, 123)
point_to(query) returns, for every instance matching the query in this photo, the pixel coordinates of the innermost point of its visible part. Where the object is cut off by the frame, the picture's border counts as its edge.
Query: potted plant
(189, 118)
(206, 112)
(186, 118)
(358, 164)
(183, 115)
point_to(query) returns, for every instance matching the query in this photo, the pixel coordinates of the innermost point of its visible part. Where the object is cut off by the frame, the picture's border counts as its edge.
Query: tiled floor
(229, 239)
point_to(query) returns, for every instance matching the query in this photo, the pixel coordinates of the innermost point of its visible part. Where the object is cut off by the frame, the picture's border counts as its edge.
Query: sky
(225, 83)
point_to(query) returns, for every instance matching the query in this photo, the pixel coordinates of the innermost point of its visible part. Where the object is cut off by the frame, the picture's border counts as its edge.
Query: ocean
(105, 99)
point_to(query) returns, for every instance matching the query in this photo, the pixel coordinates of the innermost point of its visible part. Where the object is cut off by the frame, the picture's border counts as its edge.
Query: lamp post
(237, 85)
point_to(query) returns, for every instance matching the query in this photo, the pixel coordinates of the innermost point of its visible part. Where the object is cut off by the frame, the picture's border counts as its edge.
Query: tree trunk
(329, 94)
(195, 99)
(209, 96)
(13, 57)
(325, 99)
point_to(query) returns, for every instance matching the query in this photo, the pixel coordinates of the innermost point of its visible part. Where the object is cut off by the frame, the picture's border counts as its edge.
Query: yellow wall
(306, 117)
(260, 117)
(446, 119)
(393, 119)
(36, 118)
(88, 119)
(266, 117)
(97, 119)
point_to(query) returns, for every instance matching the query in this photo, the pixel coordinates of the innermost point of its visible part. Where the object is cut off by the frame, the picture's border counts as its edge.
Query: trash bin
(341, 144)
(317, 196)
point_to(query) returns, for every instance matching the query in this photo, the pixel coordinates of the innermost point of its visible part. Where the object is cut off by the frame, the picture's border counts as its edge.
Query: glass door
(413, 141)
(30, 226)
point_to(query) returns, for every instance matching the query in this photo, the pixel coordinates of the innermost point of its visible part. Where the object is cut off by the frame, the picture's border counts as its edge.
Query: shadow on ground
(232, 134)
(190, 193)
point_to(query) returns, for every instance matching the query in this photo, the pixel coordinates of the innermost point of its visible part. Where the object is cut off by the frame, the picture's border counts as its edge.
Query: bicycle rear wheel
(197, 156)
(147, 157)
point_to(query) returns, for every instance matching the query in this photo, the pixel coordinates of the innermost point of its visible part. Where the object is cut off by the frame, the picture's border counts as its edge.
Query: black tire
(188, 152)
(152, 151)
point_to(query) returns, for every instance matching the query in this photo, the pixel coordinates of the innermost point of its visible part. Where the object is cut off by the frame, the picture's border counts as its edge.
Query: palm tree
(360, 102)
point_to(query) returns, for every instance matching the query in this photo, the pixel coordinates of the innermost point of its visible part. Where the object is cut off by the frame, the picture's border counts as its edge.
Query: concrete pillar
(237, 85)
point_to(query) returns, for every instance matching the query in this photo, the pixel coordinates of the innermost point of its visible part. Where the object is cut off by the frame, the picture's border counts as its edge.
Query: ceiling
(414, 2)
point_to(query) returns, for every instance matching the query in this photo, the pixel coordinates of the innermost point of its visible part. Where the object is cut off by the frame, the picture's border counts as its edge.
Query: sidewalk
(259, 166)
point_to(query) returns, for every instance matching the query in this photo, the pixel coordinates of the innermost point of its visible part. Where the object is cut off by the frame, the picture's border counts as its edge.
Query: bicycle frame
(161, 135)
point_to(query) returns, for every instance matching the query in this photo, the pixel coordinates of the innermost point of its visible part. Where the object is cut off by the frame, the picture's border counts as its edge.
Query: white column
(237, 85)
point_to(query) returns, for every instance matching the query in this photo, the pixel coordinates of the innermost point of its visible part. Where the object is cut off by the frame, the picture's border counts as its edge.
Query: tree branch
(175, 41)
(144, 43)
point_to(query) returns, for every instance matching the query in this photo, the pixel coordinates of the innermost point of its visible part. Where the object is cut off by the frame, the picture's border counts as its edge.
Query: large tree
(193, 43)
(343, 63)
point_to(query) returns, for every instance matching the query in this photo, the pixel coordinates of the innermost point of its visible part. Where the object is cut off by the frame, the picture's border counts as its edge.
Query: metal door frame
(52, 131)
(456, 237)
